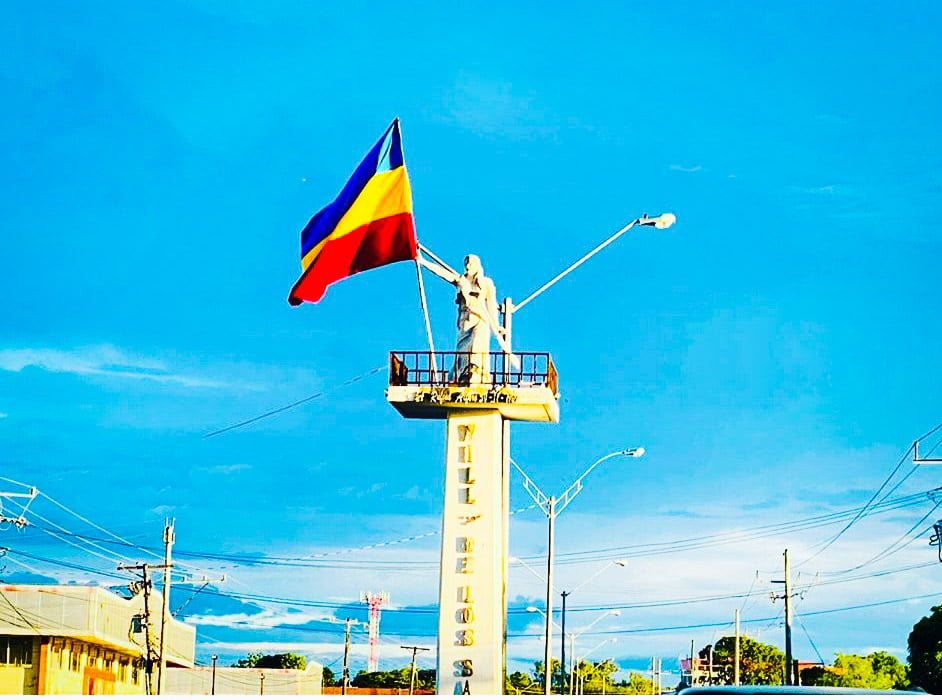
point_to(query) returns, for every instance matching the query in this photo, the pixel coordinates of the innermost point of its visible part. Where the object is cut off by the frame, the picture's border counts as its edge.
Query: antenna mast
(375, 602)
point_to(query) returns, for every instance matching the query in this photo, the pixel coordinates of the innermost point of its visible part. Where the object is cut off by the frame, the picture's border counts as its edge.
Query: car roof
(790, 690)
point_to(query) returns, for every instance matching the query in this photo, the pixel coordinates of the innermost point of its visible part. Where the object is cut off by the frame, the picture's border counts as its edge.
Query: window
(16, 651)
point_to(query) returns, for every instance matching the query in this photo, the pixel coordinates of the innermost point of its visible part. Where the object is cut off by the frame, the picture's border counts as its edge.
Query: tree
(289, 660)
(596, 678)
(519, 682)
(925, 652)
(328, 678)
(636, 685)
(888, 665)
(878, 670)
(539, 677)
(397, 678)
(759, 664)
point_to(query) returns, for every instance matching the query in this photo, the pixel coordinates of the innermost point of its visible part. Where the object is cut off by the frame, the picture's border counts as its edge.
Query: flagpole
(418, 271)
(428, 324)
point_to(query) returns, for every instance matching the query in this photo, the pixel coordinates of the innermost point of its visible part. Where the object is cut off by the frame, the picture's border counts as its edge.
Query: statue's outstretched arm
(439, 271)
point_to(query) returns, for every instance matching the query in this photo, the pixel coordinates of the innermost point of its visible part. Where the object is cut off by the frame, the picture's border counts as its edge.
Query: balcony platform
(526, 391)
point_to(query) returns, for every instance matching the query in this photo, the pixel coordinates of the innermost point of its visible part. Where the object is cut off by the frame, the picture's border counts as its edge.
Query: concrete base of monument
(526, 403)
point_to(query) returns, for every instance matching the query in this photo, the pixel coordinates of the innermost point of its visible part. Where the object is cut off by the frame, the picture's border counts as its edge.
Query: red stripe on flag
(380, 242)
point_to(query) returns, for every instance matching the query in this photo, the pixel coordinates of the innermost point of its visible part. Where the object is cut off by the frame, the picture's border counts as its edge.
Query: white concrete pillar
(471, 615)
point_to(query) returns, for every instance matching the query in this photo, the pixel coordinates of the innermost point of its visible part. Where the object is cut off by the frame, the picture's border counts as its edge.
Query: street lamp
(573, 637)
(565, 595)
(551, 507)
(582, 658)
(212, 687)
(534, 609)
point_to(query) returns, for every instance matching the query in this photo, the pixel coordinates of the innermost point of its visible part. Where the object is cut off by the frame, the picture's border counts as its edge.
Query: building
(83, 640)
(226, 680)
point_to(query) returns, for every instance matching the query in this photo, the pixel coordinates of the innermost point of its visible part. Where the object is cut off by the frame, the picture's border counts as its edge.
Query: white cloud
(686, 168)
(100, 361)
(263, 620)
(327, 649)
(4, 415)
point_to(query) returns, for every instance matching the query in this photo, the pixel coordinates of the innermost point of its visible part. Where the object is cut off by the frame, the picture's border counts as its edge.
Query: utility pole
(20, 520)
(261, 683)
(562, 640)
(548, 646)
(345, 678)
(710, 671)
(169, 539)
(148, 636)
(412, 675)
(692, 684)
(572, 661)
(736, 651)
(212, 686)
(789, 666)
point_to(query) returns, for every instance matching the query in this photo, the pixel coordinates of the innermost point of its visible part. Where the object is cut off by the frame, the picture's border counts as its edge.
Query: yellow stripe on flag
(386, 194)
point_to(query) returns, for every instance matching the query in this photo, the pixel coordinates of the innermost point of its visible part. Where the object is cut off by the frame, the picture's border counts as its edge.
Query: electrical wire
(333, 605)
(745, 603)
(565, 558)
(863, 510)
(893, 548)
(59, 532)
(18, 612)
(59, 529)
(627, 551)
(810, 640)
(830, 611)
(293, 404)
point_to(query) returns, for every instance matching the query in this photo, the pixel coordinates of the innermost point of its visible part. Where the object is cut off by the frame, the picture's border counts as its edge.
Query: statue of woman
(477, 319)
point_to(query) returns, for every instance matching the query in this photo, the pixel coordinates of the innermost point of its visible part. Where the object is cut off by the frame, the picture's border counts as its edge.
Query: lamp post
(212, 684)
(508, 308)
(573, 637)
(588, 653)
(565, 595)
(551, 507)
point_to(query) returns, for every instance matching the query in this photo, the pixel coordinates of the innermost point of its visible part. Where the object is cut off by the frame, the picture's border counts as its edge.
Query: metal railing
(415, 368)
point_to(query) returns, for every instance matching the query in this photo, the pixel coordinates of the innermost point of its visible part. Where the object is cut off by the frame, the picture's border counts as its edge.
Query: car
(790, 690)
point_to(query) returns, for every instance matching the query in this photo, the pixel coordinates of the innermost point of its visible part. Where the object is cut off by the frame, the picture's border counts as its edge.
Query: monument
(477, 392)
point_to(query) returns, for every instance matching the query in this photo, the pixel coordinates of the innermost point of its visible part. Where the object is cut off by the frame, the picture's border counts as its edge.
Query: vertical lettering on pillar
(464, 564)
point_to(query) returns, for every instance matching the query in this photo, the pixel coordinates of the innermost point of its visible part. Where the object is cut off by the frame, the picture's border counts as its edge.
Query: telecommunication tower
(375, 601)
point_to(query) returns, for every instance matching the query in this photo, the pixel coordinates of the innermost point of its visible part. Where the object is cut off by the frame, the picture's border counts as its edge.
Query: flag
(369, 224)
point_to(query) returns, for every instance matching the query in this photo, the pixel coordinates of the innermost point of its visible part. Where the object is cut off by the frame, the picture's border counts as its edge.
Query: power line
(293, 404)
(830, 611)
(17, 610)
(627, 551)
(876, 493)
(893, 548)
(433, 609)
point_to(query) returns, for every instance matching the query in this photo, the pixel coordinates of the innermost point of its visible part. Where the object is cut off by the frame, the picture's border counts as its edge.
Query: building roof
(93, 615)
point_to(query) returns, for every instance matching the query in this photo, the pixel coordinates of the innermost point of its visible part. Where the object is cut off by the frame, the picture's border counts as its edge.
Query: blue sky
(775, 352)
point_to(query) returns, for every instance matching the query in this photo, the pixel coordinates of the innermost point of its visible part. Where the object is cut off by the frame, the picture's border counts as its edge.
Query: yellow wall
(12, 680)
(72, 665)
(66, 667)
(21, 679)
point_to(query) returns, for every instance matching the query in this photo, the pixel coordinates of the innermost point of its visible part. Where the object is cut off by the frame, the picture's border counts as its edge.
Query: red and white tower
(375, 602)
